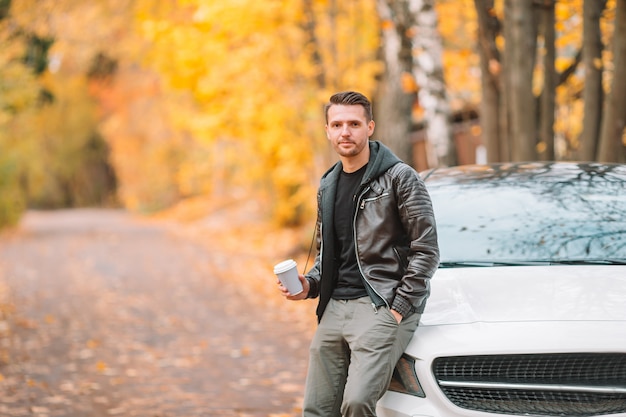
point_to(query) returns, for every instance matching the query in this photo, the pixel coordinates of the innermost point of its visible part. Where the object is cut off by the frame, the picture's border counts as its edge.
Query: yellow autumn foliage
(223, 98)
(257, 108)
(18, 96)
(61, 153)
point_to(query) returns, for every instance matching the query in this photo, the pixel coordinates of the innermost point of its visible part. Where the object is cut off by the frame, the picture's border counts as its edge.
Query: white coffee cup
(287, 273)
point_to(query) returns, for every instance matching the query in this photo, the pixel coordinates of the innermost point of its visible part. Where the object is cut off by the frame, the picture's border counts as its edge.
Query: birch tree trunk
(392, 110)
(428, 72)
(612, 136)
(592, 92)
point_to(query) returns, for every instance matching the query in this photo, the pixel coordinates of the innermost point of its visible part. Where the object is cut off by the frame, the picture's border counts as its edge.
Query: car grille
(582, 384)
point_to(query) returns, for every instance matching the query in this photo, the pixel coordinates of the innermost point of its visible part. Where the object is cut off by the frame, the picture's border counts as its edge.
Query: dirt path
(108, 315)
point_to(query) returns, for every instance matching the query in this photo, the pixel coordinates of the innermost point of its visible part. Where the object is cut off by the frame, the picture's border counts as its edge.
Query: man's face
(348, 129)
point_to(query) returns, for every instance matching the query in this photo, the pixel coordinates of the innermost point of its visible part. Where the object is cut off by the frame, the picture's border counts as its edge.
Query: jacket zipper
(356, 248)
(365, 200)
(321, 257)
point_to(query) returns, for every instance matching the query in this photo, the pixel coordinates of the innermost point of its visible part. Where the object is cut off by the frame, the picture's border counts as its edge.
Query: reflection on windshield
(542, 220)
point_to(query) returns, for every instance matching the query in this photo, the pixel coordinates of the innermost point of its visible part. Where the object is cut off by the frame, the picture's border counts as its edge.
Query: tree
(397, 89)
(520, 38)
(19, 92)
(257, 74)
(613, 135)
(519, 101)
(428, 72)
(547, 99)
(412, 51)
(489, 28)
(59, 159)
(593, 93)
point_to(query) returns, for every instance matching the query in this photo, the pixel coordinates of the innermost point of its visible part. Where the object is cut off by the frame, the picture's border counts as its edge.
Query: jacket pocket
(372, 199)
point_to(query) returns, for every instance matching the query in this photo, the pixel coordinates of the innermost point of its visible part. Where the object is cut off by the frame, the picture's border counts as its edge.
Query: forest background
(156, 105)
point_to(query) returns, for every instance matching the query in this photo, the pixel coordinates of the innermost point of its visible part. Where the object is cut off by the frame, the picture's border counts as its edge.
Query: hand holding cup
(287, 274)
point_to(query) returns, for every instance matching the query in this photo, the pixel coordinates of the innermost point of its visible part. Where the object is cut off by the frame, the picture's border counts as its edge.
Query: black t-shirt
(349, 283)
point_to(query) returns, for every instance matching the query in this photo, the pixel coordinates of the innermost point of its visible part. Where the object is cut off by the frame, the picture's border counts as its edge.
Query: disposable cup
(287, 273)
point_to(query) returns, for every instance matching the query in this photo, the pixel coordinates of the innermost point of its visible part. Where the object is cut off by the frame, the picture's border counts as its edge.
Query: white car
(527, 312)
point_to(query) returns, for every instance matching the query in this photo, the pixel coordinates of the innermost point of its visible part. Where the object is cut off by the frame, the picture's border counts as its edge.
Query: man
(377, 250)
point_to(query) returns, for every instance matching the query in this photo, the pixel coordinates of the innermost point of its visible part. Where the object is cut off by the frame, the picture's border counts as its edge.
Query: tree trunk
(490, 65)
(394, 102)
(520, 39)
(428, 71)
(592, 92)
(309, 26)
(332, 69)
(545, 149)
(612, 136)
(520, 46)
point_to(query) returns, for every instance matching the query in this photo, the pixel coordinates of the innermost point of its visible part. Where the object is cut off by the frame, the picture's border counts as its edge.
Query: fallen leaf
(101, 366)
(92, 344)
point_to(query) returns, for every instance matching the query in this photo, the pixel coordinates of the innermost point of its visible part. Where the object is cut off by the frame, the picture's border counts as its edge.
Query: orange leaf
(101, 366)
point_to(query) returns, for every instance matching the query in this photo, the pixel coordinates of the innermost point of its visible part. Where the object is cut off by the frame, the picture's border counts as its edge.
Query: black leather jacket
(395, 235)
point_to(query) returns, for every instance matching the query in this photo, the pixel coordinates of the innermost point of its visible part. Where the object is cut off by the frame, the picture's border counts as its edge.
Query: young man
(377, 250)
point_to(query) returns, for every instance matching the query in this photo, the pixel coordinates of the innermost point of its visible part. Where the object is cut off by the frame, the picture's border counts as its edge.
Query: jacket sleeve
(417, 216)
(314, 274)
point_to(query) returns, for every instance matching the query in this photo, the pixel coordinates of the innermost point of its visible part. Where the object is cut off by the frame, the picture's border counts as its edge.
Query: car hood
(526, 293)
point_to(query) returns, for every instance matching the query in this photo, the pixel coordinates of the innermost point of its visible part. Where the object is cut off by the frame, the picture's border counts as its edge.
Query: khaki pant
(352, 357)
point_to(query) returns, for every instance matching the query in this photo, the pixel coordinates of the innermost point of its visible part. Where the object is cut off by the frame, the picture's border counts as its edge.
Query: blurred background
(150, 105)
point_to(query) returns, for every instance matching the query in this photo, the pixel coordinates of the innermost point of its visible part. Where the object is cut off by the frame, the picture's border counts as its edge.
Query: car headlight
(404, 378)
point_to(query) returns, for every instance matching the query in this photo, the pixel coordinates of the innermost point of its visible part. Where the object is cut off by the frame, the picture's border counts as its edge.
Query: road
(106, 314)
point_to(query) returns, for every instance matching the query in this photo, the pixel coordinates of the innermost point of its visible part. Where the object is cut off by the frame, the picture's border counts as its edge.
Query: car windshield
(520, 221)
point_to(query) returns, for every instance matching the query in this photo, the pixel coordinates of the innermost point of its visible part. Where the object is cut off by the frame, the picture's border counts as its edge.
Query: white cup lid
(284, 266)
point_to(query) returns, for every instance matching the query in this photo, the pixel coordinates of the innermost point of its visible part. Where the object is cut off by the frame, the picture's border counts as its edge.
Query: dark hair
(350, 98)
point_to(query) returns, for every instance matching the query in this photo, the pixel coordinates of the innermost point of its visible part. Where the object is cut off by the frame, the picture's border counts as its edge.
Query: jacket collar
(381, 159)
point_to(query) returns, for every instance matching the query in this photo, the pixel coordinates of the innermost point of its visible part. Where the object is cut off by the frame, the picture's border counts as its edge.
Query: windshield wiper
(589, 262)
(480, 264)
